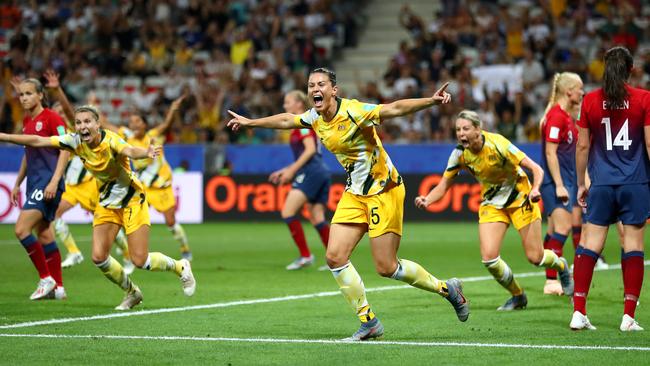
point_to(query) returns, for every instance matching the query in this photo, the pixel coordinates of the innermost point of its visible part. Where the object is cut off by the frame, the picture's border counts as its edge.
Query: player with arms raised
(614, 144)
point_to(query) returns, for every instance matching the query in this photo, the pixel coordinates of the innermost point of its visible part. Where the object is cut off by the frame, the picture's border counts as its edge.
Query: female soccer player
(44, 169)
(559, 136)
(373, 200)
(507, 197)
(80, 186)
(311, 183)
(122, 201)
(614, 144)
(156, 174)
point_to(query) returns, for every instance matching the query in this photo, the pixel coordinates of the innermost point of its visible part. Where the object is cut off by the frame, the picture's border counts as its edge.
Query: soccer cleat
(518, 302)
(187, 255)
(72, 259)
(553, 287)
(57, 294)
(601, 264)
(301, 262)
(580, 321)
(628, 324)
(187, 278)
(566, 279)
(368, 330)
(324, 268)
(131, 299)
(128, 266)
(45, 286)
(457, 299)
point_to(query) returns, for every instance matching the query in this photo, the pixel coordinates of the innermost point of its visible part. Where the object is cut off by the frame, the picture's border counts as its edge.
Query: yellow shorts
(519, 216)
(131, 218)
(383, 212)
(84, 193)
(162, 199)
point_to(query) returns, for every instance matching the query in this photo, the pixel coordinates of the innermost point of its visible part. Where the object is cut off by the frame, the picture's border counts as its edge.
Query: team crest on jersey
(341, 127)
(39, 126)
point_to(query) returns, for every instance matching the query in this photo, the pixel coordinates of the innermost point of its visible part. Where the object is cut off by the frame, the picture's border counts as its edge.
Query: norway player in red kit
(43, 169)
(614, 144)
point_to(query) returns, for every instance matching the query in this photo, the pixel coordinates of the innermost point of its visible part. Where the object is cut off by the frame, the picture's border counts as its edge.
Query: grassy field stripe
(331, 341)
(244, 302)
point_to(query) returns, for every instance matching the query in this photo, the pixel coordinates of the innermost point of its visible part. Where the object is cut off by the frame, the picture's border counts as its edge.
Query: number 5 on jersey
(374, 216)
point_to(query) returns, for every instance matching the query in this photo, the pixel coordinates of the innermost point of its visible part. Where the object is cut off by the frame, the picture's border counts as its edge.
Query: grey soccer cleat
(518, 302)
(457, 299)
(566, 279)
(368, 330)
(131, 299)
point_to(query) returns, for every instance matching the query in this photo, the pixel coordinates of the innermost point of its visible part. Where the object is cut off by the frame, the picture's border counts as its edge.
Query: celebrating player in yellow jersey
(155, 174)
(122, 201)
(507, 196)
(373, 200)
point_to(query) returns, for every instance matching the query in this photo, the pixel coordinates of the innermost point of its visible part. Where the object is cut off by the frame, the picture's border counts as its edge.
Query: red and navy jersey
(617, 154)
(298, 147)
(41, 162)
(558, 127)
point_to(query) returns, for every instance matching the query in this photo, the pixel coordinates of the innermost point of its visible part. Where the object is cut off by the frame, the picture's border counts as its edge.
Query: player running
(507, 197)
(614, 144)
(310, 183)
(155, 174)
(373, 200)
(122, 201)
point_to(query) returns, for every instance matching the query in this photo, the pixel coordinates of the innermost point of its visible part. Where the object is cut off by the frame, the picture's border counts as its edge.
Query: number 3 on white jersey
(622, 138)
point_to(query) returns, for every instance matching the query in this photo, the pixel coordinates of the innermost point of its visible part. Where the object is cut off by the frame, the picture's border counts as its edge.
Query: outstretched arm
(278, 121)
(434, 195)
(54, 85)
(407, 106)
(169, 118)
(135, 152)
(27, 140)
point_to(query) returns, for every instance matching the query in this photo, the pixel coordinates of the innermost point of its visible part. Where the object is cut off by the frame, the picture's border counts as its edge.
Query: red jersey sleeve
(582, 118)
(646, 108)
(56, 124)
(555, 125)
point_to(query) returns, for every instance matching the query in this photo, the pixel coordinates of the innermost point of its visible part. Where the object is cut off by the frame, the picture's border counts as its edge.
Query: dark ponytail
(618, 66)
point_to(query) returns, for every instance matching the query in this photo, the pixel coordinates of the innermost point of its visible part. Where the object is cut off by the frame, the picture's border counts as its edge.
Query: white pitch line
(332, 341)
(245, 302)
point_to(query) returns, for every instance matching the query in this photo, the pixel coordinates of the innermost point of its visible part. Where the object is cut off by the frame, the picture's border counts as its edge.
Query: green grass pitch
(249, 310)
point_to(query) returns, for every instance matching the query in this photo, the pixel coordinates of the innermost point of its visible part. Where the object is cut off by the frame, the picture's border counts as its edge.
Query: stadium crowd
(244, 55)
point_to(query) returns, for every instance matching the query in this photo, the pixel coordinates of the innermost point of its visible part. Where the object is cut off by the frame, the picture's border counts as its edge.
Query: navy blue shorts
(35, 200)
(628, 203)
(551, 202)
(314, 184)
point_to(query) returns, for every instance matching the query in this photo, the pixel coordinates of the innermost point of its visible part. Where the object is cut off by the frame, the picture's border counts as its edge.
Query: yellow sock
(63, 234)
(179, 234)
(113, 270)
(160, 262)
(503, 274)
(416, 276)
(551, 260)
(122, 243)
(353, 290)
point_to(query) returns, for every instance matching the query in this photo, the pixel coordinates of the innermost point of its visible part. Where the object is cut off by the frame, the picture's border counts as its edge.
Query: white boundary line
(244, 302)
(331, 341)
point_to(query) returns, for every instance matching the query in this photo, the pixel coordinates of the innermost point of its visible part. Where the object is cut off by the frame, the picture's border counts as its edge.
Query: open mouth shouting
(85, 135)
(318, 100)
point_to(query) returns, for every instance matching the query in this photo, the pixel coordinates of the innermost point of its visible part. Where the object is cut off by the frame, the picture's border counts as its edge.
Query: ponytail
(618, 66)
(561, 83)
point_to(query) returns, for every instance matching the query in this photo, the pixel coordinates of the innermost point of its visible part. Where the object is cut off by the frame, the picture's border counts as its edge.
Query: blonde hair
(470, 116)
(300, 96)
(562, 82)
(88, 108)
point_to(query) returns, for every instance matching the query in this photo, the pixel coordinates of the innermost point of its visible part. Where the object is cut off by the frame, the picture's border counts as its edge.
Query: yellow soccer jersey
(156, 172)
(75, 172)
(496, 167)
(115, 181)
(352, 138)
